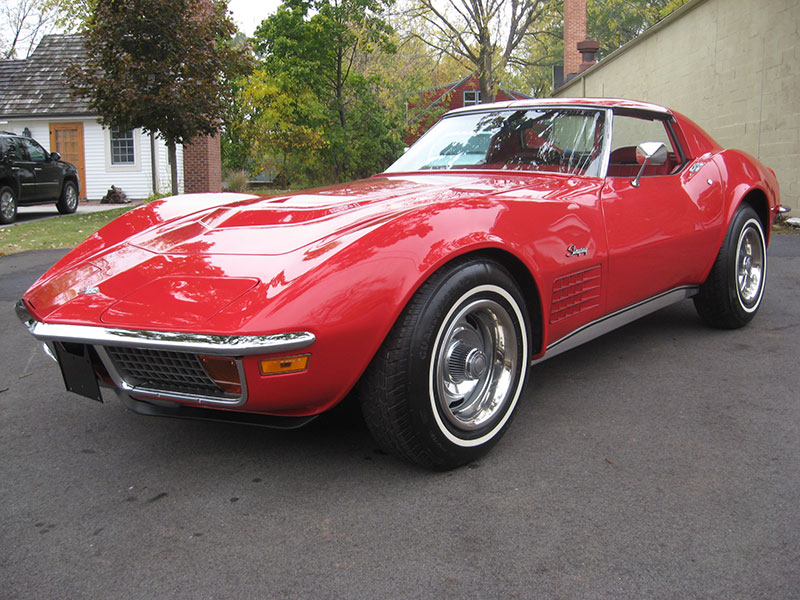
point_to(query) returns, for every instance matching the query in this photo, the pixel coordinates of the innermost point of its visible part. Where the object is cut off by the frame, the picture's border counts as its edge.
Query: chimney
(587, 48)
(202, 165)
(574, 32)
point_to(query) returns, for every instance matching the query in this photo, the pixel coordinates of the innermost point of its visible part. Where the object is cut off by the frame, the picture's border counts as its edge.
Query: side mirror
(55, 156)
(654, 153)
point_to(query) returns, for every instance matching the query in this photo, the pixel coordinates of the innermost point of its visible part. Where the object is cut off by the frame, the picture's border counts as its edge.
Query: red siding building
(430, 104)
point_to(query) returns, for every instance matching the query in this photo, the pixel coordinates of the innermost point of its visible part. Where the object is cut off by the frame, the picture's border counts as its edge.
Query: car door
(47, 171)
(659, 232)
(22, 167)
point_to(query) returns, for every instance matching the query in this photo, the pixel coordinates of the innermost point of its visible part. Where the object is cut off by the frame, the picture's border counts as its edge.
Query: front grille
(163, 370)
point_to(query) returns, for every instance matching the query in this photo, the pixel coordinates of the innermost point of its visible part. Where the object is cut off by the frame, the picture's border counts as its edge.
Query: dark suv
(31, 175)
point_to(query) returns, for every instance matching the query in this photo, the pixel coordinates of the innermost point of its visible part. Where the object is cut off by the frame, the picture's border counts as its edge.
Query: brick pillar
(574, 32)
(202, 165)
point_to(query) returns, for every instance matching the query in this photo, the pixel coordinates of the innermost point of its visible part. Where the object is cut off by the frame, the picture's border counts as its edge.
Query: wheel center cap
(476, 364)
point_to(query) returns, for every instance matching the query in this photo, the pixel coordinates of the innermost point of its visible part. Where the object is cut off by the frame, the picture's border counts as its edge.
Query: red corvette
(507, 234)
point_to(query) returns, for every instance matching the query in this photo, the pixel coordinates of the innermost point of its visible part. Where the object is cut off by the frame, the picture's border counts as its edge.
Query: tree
(277, 125)
(23, 23)
(484, 34)
(312, 50)
(611, 22)
(160, 65)
(616, 22)
(72, 15)
(412, 76)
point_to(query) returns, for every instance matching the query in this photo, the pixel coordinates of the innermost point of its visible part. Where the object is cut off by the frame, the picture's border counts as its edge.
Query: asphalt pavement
(660, 461)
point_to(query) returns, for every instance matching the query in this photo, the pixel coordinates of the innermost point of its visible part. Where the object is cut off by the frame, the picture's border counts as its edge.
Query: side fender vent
(575, 293)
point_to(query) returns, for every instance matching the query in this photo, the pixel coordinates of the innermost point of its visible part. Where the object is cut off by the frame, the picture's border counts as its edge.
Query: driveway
(661, 461)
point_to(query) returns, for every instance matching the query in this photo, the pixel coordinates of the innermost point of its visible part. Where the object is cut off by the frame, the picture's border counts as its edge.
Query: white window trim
(472, 103)
(137, 153)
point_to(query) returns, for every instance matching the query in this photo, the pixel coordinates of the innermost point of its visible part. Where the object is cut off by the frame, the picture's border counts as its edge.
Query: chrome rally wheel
(476, 363)
(750, 265)
(443, 387)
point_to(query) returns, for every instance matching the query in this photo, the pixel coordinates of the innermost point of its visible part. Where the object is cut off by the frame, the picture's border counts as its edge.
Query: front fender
(349, 290)
(745, 177)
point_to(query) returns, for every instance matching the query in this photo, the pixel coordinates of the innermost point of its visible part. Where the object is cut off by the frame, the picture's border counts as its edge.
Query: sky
(248, 14)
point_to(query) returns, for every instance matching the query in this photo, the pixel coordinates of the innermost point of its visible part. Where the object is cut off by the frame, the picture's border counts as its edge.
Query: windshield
(555, 140)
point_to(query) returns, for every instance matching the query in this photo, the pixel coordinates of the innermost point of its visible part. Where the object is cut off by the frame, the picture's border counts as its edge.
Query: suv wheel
(68, 203)
(8, 205)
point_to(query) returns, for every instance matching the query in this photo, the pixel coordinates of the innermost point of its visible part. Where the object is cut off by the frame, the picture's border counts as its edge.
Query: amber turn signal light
(284, 364)
(224, 372)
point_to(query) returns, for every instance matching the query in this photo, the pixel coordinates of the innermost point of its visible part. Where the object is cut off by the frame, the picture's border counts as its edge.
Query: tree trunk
(173, 167)
(485, 76)
(154, 163)
(487, 89)
(339, 160)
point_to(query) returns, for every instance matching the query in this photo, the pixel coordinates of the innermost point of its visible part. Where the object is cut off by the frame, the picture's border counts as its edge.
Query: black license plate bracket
(77, 370)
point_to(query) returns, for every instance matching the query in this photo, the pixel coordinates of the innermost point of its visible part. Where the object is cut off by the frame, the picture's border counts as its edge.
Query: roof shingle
(38, 86)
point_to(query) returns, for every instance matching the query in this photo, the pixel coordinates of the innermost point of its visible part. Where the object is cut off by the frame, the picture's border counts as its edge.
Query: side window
(630, 131)
(35, 151)
(13, 149)
(122, 147)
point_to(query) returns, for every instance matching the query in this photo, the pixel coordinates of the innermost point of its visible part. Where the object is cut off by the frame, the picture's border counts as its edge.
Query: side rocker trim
(616, 319)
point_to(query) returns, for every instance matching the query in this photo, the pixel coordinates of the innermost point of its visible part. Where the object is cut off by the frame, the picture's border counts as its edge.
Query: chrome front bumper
(180, 341)
(102, 338)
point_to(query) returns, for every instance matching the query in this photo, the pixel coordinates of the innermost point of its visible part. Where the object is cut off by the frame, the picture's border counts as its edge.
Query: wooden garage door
(67, 140)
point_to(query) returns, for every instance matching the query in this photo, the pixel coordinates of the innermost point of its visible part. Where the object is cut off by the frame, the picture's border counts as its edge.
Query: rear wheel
(732, 294)
(443, 387)
(68, 203)
(8, 205)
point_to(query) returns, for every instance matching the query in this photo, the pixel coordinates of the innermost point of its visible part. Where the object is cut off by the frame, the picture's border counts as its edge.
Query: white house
(36, 100)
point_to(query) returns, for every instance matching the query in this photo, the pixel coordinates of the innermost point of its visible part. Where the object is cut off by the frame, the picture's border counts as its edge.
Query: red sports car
(507, 234)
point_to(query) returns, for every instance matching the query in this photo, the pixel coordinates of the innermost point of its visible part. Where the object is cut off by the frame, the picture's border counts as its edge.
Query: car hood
(284, 224)
(165, 269)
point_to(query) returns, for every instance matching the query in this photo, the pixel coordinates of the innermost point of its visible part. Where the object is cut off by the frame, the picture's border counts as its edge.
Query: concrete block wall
(733, 66)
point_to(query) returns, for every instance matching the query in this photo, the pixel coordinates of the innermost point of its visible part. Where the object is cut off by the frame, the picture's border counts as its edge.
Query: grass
(65, 231)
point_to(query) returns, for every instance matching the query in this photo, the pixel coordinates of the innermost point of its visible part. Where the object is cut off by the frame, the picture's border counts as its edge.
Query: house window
(122, 147)
(472, 97)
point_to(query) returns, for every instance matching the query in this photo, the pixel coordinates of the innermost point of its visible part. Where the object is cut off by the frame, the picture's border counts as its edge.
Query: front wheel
(732, 293)
(8, 205)
(68, 202)
(443, 387)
